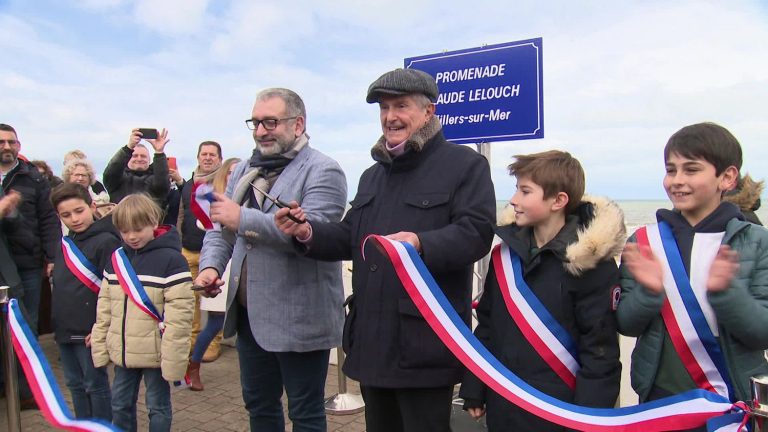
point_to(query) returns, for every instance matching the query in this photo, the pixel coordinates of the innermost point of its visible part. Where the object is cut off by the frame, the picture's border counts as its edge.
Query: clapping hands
(646, 268)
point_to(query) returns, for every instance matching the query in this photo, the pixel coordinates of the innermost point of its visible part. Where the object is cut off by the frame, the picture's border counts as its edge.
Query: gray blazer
(294, 303)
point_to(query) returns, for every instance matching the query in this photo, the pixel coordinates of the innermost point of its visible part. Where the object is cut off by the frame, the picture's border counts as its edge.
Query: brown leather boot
(193, 372)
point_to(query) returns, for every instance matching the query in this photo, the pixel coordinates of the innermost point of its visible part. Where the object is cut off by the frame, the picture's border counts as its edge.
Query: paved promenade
(218, 408)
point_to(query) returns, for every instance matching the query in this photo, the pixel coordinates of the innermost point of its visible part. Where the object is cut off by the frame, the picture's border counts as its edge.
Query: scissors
(280, 204)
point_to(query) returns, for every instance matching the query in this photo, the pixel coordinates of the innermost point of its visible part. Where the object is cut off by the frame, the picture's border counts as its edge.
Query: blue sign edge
(537, 43)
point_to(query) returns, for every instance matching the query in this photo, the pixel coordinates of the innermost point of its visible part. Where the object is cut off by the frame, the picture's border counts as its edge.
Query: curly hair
(74, 163)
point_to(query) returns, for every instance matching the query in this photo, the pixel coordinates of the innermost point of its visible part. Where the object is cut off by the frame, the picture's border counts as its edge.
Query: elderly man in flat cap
(436, 196)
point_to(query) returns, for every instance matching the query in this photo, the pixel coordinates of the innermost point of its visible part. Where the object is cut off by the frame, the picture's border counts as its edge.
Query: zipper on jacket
(6, 188)
(15, 174)
(125, 314)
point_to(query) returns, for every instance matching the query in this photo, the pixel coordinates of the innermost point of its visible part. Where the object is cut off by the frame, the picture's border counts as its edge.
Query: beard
(8, 157)
(280, 146)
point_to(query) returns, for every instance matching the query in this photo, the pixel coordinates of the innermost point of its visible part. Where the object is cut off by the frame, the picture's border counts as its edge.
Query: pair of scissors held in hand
(280, 204)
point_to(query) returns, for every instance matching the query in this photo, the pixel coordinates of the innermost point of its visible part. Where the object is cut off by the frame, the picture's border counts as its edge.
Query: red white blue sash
(132, 287)
(550, 340)
(41, 380)
(200, 204)
(683, 411)
(687, 316)
(79, 265)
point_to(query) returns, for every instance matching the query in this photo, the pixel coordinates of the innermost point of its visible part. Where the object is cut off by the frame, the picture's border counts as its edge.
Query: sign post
(491, 93)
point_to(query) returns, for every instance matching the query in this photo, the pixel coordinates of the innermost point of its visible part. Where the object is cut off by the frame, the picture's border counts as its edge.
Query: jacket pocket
(361, 200)
(359, 205)
(427, 200)
(419, 345)
(427, 210)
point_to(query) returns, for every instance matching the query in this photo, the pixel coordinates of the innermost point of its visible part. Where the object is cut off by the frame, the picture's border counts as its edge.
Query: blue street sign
(492, 93)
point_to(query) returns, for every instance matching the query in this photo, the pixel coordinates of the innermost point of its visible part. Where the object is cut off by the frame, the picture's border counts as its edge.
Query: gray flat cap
(403, 81)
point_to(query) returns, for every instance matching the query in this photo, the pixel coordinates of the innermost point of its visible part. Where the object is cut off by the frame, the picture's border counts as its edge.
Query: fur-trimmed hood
(747, 195)
(595, 232)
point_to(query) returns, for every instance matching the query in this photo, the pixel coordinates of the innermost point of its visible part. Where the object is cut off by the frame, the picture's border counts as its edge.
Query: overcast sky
(619, 77)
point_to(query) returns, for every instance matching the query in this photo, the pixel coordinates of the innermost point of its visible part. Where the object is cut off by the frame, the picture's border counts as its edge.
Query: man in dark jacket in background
(438, 197)
(32, 238)
(37, 237)
(129, 170)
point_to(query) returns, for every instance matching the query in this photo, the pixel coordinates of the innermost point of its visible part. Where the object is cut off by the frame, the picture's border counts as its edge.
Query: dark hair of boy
(135, 212)
(708, 141)
(66, 191)
(555, 171)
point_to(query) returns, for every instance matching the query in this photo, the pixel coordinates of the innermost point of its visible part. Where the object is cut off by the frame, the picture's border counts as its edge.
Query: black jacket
(9, 276)
(444, 194)
(172, 204)
(98, 187)
(38, 232)
(191, 235)
(121, 181)
(73, 303)
(575, 280)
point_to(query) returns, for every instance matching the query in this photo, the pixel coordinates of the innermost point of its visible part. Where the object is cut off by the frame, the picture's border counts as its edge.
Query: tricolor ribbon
(41, 380)
(550, 340)
(79, 265)
(683, 312)
(683, 411)
(200, 204)
(132, 287)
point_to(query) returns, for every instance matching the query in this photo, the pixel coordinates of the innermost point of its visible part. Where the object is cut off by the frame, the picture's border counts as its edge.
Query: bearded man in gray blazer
(285, 309)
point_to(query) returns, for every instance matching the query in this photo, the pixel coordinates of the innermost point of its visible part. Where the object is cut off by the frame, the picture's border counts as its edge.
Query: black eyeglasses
(269, 124)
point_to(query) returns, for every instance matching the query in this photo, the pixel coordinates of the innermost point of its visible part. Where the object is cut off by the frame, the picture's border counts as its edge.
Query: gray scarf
(265, 178)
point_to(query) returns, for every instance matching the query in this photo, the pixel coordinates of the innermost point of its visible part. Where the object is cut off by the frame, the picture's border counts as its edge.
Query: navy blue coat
(445, 195)
(73, 303)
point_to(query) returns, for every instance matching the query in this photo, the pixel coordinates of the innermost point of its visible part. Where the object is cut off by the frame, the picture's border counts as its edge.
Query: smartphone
(147, 133)
(172, 163)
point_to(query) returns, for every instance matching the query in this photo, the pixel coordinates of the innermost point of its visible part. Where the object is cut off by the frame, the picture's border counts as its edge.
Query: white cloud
(260, 32)
(171, 17)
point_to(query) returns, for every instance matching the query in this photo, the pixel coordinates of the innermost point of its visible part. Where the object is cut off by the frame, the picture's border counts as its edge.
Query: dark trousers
(264, 374)
(407, 410)
(125, 394)
(88, 385)
(31, 282)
